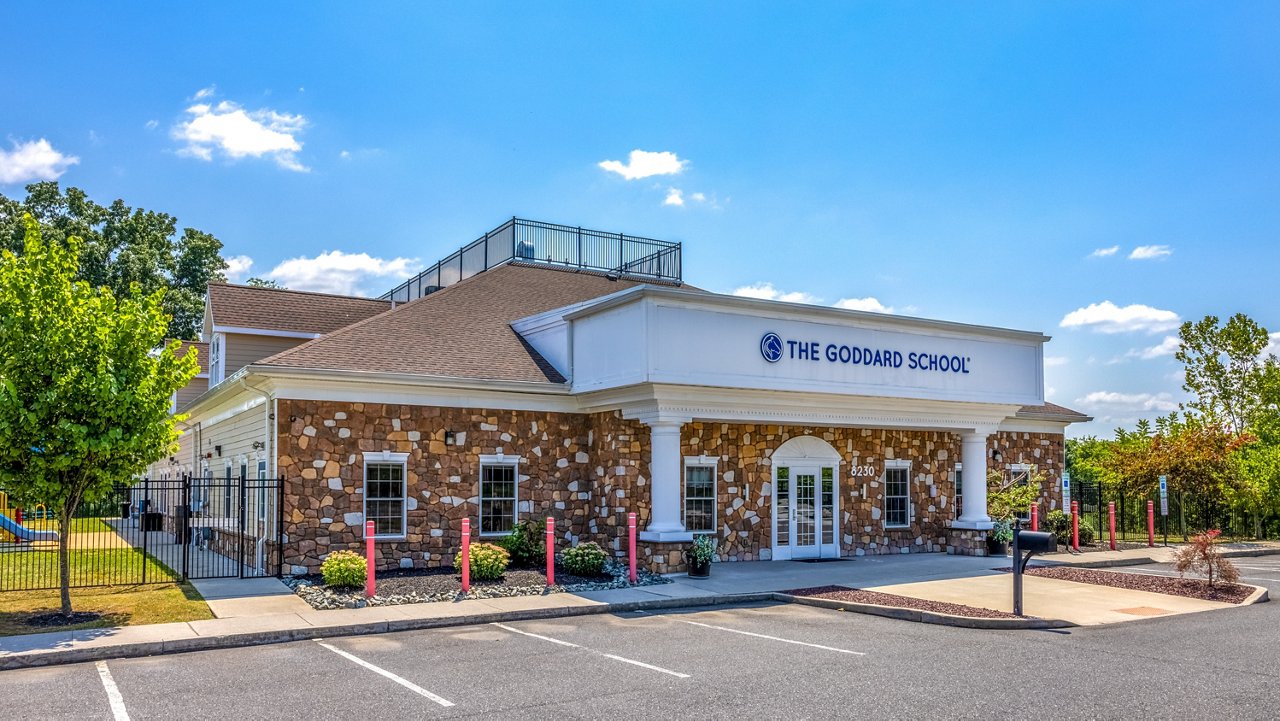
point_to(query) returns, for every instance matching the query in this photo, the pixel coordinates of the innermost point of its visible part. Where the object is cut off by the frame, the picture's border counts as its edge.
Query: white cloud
(643, 164)
(205, 92)
(870, 304)
(153, 124)
(345, 155)
(1166, 347)
(33, 160)
(699, 197)
(1150, 252)
(1105, 252)
(239, 133)
(1107, 317)
(342, 273)
(1052, 361)
(674, 197)
(238, 268)
(1111, 402)
(1273, 345)
(766, 291)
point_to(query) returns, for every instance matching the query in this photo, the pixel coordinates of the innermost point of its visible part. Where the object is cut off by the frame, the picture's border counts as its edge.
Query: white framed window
(262, 468)
(897, 494)
(700, 478)
(385, 489)
(217, 360)
(959, 476)
(1020, 475)
(499, 494)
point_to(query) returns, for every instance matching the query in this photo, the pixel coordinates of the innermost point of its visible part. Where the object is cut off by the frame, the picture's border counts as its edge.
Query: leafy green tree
(84, 396)
(263, 283)
(122, 246)
(1225, 369)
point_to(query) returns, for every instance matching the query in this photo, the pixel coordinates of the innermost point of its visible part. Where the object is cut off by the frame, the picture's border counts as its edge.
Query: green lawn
(89, 567)
(78, 525)
(119, 606)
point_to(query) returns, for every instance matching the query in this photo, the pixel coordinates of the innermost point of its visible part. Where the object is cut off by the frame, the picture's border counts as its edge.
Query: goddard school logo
(771, 347)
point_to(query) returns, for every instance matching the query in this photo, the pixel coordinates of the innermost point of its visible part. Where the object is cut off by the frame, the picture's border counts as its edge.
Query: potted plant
(999, 538)
(700, 555)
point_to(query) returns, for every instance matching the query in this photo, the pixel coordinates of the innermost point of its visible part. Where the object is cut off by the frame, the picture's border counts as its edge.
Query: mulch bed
(57, 620)
(1188, 587)
(857, 595)
(441, 580)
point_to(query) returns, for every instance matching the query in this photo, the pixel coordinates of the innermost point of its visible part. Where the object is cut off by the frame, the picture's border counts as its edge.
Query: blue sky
(971, 162)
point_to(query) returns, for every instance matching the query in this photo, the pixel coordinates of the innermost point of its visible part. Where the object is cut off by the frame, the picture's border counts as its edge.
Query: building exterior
(553, 371)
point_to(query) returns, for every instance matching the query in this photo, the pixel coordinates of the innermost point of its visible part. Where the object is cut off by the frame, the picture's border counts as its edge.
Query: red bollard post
(466, 555)
(1035, 516)
(17, 516)
(1075, 525)
(1111, 523)
(551, 551)
(370, 561)
(631, 544)
(1151, 524)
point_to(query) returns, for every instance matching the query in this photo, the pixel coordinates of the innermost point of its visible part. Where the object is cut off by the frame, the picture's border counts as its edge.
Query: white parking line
(113, 692)
(383, 672)
(631, 661)
(773, 638)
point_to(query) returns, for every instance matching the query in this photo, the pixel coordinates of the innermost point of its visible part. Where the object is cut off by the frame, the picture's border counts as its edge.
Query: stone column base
(966, 542)
(662, 557)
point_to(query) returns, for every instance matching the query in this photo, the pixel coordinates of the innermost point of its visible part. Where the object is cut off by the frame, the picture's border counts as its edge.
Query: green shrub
(343, 569)
(703, 549)
(525, 543)
(585, 559)
(488, 561)
(1059, 524)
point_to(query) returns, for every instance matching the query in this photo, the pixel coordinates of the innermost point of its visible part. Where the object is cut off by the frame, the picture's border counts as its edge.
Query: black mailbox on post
(1037, 542)
(1032, 542)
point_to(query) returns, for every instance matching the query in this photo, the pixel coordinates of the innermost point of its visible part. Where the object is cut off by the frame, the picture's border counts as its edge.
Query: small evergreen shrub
(1203, 557)
(343, 569)
(526, 543)
(488, 561)
(1059, 524)
(585, 559)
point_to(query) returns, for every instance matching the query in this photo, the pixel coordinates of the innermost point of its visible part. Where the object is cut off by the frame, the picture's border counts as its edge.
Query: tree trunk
(64, 563)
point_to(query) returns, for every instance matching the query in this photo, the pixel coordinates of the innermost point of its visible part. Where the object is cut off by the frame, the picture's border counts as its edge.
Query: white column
(665, 522)
(974, 457)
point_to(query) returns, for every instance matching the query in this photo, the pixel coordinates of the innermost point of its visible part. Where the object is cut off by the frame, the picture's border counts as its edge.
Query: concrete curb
(920, 616)
(1259, 595)
(33, 659)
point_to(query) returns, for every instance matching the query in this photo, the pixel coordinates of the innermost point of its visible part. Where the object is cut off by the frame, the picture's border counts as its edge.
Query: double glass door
(804, 512)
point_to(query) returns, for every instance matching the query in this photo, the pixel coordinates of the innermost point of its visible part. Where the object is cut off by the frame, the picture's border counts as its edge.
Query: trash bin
(181, 524)
(124, 510)
(152, 521)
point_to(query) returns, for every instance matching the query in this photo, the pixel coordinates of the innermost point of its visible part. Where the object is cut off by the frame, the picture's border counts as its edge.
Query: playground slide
(22, 533)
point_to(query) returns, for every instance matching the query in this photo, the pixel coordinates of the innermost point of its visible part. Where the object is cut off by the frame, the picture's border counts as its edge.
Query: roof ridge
(301, 292)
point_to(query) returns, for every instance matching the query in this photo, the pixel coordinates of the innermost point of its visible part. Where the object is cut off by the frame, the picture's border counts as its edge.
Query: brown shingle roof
(202, 353)
(1053, 411)
(290, 311)
(463, 331)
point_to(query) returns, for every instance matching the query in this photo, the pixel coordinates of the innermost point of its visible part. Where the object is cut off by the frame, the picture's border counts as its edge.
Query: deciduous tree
(84, 395)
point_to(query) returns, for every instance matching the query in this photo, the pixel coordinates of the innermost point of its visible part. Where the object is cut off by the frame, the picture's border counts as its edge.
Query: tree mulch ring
(857, 595)
(1188, 587)
(57, 619)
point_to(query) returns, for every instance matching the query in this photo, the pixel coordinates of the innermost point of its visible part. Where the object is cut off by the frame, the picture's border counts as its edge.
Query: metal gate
(159, 530)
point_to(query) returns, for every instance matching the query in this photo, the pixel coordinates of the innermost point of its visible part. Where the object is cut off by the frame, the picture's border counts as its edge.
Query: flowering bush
(343, 569)
(488, 562)
(585, 559)
(1203, 557)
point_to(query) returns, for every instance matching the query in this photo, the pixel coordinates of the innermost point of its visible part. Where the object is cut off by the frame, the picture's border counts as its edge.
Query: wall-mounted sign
(774, 348)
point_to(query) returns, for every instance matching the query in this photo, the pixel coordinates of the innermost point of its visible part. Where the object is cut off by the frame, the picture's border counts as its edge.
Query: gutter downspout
(269, 436)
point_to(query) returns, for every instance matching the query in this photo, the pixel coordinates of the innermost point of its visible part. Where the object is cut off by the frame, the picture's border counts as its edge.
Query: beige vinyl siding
(191, 391)
(242, 349)
(236, 435)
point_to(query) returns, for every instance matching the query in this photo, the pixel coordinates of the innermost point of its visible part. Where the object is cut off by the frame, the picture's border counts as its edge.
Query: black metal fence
(156, 531)
(533, 241)
(1187, 516)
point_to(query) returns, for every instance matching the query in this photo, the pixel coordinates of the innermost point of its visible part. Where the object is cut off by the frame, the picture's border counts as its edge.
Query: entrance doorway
(806, 500)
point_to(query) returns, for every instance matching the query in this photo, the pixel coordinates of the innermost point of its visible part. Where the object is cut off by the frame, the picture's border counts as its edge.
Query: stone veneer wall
(589, 471)
(1045, 451)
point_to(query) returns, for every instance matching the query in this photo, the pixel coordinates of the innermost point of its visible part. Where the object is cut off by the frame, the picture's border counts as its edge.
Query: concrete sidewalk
(264, 610)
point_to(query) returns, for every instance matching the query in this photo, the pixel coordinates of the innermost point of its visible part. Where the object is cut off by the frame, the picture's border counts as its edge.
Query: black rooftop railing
(560, 246)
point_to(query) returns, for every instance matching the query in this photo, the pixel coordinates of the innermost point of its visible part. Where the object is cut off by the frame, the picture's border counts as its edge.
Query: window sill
(401, 537)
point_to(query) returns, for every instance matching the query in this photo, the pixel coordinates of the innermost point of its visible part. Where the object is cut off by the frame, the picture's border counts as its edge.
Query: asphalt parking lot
(763, 661)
